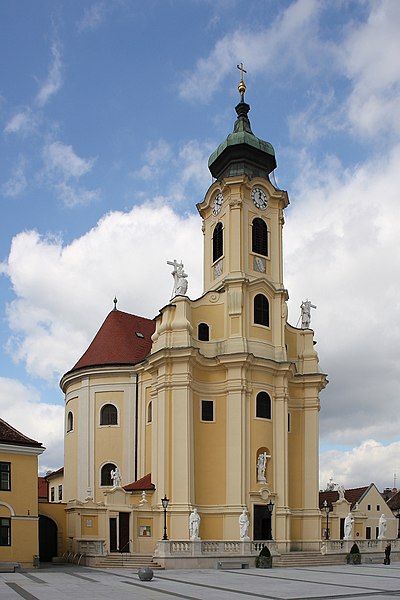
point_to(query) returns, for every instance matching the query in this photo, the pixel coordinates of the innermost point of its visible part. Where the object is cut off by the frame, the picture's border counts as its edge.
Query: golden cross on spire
(242, 85)
(242, 70)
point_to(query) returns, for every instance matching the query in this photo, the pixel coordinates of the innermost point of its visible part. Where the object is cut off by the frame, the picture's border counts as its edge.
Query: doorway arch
(47, 538)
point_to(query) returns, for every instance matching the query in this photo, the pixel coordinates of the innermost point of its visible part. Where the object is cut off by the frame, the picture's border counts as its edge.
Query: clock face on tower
(217, 203)
(259, 198)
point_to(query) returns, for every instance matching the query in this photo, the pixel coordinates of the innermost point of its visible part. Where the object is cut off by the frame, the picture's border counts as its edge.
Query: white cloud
(93, 16)
(342, 252)
(356, 467)
(369, 57)
(61, 158)
(64, 292)
(289, 41)
(17, 182)
(53, 80)
(186, 167)
(22, 122)
(62, 168)
(21, 407)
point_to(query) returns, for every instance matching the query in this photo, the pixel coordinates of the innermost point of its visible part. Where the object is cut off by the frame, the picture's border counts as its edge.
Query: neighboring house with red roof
(19, 535)
(366, 504)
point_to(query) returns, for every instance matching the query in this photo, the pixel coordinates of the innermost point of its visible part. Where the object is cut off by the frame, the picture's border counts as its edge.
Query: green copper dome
(242, 152)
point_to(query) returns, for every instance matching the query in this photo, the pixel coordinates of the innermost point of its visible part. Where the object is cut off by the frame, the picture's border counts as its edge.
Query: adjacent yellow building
(214, 404)
(19, 542)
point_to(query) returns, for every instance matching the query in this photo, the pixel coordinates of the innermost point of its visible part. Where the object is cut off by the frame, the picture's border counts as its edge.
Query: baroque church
(211, 408)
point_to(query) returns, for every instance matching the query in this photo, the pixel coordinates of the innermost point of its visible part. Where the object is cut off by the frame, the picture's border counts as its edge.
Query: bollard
(145, 574)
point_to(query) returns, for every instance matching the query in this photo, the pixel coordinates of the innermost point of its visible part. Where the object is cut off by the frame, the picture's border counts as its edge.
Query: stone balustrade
(365, 546)
(176, 548)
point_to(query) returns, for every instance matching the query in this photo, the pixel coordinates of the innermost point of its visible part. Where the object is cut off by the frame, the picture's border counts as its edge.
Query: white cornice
(15, 449)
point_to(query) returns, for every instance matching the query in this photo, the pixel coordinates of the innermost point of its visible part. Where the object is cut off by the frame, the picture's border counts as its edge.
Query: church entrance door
(123, 527)
(113, 534)
(262, 526)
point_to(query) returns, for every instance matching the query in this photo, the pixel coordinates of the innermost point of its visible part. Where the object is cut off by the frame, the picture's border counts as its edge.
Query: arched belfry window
(218, 241)
(70, 421)
(260, 237)
(263, 405)
(150, 412)
(108, 415)
(106, 478)
(203, 332)
(261, 310)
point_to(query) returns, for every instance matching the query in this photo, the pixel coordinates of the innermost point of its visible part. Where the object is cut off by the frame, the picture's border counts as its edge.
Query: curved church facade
(213, 404)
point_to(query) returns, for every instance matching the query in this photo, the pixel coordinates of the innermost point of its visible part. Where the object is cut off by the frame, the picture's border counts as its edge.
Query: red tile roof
(43, 490)
(9, 435)
(59, 471)
(394, 502)
(352, 495)
(119, 341)
(141, 484)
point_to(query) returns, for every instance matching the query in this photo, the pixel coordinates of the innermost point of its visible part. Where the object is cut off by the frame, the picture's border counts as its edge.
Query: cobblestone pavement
(80, 583)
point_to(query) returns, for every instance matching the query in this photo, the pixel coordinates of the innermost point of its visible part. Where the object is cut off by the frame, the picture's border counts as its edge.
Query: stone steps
(308, 559)
(131, 561)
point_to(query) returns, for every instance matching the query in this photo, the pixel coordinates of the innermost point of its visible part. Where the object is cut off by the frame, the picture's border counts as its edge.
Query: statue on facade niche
(194, 525)
(116, 477)
(180, 278)
(382, 527)
(348, 526)
(244, 525)
(305, 309)
(262, 467)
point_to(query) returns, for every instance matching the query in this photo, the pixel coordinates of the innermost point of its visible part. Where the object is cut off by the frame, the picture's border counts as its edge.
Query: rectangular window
(368, 533)
(59, 493)
(378, 507)
(369, 507)
(207, 410)
(288, 422)
(52, 494)
(376, 532)
(5, 532)
(5, 476)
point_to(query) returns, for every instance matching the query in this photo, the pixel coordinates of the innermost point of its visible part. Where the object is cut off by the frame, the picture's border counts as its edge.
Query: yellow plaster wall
(71, 450)
(211, 527)
(57, 512)
(214, 316)
(87, 529)
(23, 499)
(23, 496)
(210, 453)
(295, 458)
(108, 446)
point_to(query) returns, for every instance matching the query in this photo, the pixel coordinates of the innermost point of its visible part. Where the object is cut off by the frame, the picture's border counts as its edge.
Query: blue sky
(108, 113)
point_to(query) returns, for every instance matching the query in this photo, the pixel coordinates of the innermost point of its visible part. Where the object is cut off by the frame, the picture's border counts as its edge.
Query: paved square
(80, 583)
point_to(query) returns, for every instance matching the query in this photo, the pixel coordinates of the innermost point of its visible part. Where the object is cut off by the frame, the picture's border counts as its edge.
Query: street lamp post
(165, 502)
(326, 509)
(270, 508)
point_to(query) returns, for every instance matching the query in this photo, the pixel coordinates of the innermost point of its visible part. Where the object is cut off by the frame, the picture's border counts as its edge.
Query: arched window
(261, 310)
(150, 412)
(70, 421)
(203, 332)
(109, 415)
(106, 474)
(263, 405)
(218, 242)
(260, 237)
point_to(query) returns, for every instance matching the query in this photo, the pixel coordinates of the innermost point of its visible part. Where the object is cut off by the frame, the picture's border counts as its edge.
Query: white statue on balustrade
(382, 527)
(180, 278)
(194, 525)
(262, 467)
(305, 309)
(348, 527)
(116, 477)
(341, 490)
(244, 525)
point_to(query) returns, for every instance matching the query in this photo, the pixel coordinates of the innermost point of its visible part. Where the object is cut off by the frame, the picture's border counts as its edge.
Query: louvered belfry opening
(260, 237)
(218, 242)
